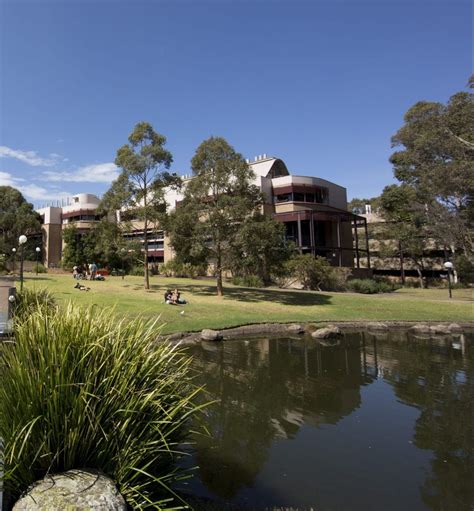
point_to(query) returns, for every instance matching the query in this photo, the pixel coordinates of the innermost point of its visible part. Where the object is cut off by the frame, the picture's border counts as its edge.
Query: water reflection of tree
(266, 390)
(440, 382)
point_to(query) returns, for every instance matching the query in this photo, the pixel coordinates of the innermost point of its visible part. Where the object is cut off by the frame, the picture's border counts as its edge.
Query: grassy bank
(243, 305)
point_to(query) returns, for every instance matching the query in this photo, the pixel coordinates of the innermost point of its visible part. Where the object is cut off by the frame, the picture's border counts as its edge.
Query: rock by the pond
(421, 328)
(73, 491)
(295, 329)
(210, 335)
(376, 325)
(329, 332)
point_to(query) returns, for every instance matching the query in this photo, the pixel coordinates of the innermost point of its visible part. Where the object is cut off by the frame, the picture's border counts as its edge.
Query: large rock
(210, 335)
(377, 326)
(330, 332)
(295, 329)
(421, 328)
(73, 491)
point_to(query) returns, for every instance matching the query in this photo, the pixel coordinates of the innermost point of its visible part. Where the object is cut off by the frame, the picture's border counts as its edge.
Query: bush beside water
(81, 389)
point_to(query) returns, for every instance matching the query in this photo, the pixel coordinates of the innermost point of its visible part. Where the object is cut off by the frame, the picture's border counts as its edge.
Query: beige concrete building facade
(313, 210)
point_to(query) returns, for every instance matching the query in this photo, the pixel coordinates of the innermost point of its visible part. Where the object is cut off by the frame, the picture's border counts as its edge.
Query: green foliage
(85, 389)
(17, 217)
(175, 268)
(357, 206)
(311, 272)
(436, 159)
(217, 200)
(259, 249)
(30, 301)
(248, 281)
(138, 271)
(369, 286)
(465, 269)
(41, 268)
(336, 279)
(73, 253)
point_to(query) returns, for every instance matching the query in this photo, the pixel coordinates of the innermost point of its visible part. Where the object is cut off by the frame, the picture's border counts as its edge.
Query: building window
(284, 197)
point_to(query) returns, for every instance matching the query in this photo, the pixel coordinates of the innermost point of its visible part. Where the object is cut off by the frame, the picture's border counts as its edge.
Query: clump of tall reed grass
(29, 301)
(81, 389)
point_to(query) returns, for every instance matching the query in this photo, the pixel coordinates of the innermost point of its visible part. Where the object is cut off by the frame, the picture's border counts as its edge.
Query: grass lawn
(244, 305)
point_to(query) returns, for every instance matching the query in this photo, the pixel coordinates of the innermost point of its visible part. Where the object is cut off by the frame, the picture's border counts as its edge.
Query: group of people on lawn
(82, 271)
(174, 297)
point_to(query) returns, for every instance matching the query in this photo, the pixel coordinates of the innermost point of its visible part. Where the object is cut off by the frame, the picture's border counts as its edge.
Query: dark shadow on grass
(254, 295)
(25, 278)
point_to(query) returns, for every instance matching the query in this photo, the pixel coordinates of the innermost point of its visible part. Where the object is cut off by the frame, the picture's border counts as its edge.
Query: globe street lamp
(449, 266)
(38, 250)
(22, 240)
(14, 259)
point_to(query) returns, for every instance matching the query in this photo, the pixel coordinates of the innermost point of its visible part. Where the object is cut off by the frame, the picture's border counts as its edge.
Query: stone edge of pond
(295, 329)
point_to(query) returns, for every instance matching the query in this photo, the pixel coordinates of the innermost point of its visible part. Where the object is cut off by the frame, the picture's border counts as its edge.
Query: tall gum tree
(436, 158)
(222, 196)
(144, 164)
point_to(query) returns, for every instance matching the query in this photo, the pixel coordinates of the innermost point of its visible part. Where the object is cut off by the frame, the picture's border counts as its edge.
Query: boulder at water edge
(73, 491)
(211, 335)
(330, 332)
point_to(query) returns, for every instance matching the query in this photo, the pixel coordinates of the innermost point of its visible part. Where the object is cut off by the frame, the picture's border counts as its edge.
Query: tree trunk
(220, 290)
(402, 267)
(145, 244)
(455, 273)
(420, 277)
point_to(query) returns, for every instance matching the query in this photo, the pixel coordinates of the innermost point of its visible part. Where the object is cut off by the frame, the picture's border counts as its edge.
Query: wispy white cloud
(6, 179)
(29, 157)
(97, 173)
(31, 191)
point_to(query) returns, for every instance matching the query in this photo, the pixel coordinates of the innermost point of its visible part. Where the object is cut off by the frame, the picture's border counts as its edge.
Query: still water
(374, 422)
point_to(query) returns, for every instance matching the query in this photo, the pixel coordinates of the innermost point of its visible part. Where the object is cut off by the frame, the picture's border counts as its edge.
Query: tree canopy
(436, 158)
(17, 217)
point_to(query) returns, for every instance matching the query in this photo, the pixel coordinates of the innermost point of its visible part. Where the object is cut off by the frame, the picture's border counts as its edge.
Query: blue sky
(321, 84)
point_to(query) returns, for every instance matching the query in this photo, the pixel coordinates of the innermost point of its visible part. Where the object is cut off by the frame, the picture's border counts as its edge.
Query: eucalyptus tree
(436, 158)
(17, 217)
(219, 197)
(144, 164)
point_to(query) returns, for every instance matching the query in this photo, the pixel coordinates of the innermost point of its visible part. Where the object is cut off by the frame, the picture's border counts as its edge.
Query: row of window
(81, 218)
(319, 196)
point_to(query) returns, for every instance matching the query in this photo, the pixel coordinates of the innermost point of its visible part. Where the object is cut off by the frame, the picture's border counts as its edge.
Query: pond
(375, 422)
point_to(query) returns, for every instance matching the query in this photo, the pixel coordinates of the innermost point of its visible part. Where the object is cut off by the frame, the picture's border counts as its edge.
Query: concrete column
(367, 242)
(338, 230)
(299, 233)
(357, 243)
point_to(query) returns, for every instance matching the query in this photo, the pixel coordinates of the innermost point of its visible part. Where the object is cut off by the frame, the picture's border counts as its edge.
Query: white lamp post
(449, 266)
(21, 240)
(38, 250)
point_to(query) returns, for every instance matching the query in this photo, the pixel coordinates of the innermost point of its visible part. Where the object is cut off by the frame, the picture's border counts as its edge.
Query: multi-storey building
(313, 210)
(80, 211)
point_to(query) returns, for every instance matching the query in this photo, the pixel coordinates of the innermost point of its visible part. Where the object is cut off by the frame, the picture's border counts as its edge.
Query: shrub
(41, 268)
(369, 286)
(336, 279)
(248, 281)
(30, 301)
(311, 272)
(174, 268)
(138, 271)
(81, 389)
(465, 269)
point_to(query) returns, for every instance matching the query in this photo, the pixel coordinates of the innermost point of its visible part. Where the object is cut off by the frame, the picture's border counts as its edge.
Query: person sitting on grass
(176, 297)
(173, 297)
(81, 287)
